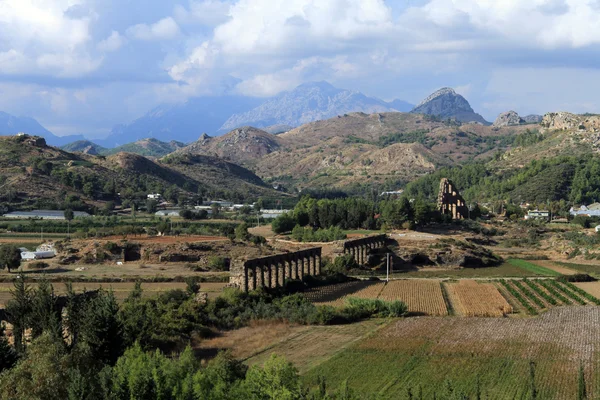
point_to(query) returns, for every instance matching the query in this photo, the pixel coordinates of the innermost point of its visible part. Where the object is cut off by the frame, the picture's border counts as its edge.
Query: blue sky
(82, 66)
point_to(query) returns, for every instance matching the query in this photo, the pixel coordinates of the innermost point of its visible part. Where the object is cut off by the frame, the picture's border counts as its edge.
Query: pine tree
(533, 389)
(581, 389)
(19, 310)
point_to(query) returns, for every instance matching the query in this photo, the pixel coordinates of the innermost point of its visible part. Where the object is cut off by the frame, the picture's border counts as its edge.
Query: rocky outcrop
(239, 146)
(446, 103)
(571, 122)
(509, 118)
(533, 119)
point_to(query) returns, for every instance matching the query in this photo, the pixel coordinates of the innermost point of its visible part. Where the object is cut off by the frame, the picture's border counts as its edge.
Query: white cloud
(166, 28)
(549, 23)
(111, 43)
(207, 12)
(39, 38)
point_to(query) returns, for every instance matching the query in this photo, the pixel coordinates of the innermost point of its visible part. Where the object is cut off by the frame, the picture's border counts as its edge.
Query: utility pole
(387, 258)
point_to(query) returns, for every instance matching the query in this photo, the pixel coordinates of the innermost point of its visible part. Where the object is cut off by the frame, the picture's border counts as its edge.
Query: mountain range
(307, 103)
(10, 125)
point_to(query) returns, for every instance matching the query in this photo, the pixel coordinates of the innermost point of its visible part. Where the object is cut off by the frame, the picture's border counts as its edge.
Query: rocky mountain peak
(446, 103)
(438, 93)
(508, 118)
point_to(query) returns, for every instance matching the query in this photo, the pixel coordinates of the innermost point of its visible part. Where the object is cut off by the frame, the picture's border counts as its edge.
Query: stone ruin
(450, 202)
(361, 248)
(274, 271)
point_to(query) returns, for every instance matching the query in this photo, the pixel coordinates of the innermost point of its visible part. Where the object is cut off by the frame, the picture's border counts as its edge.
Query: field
(533, 268)
(304, 346)
(473, 299)
(591, 269)
(422, 297)
(424, 352)
(335, 295)
(120, 289)
(505, 270)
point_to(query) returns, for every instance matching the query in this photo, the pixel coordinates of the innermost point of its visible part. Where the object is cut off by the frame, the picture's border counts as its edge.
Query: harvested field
(473, 299)
(120, 289)
(335, 295)
(424, 352)
(555, 267)
(423, 297)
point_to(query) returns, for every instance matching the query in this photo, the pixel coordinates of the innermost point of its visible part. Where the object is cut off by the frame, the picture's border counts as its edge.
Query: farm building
(593, 210)
(538, 214)
(37, 255)
(44, 214)
(168, 213)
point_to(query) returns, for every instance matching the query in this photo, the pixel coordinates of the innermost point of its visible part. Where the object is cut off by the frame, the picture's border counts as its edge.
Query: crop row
(541, 292)
(554, 292)
(568, 292)
(529, 294)
(519, 297)
(582, 292)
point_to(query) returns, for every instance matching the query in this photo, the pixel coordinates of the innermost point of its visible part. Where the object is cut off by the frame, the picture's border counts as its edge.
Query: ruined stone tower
(450, 201)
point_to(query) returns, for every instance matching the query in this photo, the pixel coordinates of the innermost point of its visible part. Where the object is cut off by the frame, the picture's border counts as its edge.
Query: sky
(83, 66)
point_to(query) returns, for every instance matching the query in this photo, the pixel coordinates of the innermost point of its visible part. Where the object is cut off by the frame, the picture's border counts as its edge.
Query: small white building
(154, 196)
(538, 214)
(37, 255)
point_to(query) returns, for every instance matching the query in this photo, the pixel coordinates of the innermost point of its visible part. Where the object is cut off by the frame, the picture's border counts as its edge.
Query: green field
(430, 353)
(509, 269)
(533, 268)
(593, 270)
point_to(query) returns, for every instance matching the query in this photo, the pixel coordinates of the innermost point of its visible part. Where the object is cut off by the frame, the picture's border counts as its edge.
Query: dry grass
(421, 296)
(551, 265)
(473, 299)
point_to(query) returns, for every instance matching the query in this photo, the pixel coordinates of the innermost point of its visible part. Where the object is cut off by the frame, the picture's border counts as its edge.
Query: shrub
(341, 265)
(37, 265)
(218, 263)
(576, 278)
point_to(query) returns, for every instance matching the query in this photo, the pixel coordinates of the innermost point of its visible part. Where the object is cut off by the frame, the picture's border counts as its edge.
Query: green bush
(218, 263)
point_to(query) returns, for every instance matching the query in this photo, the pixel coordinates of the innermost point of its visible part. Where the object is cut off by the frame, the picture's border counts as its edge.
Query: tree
(151, 206)
(215, 210)
(284, 223)
(10, 257)
(278, 379)
(19, 311)
(581, 389)
(241, 232)
(69, 215)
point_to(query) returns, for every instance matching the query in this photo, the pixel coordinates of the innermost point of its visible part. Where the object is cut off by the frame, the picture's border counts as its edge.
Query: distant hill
(33, 174)
(307, 103)
(11, 125)
(181, 122)
(446, 103)
(242, 146)
(144, 147)
(147, 147)
(83, 146)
